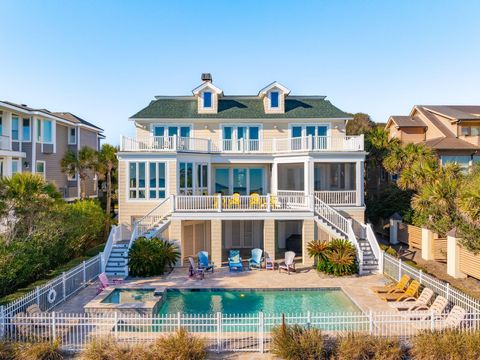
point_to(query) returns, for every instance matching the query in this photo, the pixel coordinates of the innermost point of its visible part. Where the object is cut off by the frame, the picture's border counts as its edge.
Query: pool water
(252, 301)
(127, 296)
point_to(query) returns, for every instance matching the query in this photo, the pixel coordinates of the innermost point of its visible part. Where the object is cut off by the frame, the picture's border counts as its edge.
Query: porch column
(308, 181)
(216, 244)
(269, 238)
(359, 185)
(7, 170)
(308, 234)
(274, 179)
(175, 236)
(453, 255)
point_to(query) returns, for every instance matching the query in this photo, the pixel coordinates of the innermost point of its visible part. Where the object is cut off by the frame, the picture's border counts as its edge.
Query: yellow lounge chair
(255, 202)
(393, 288)
(411, 291)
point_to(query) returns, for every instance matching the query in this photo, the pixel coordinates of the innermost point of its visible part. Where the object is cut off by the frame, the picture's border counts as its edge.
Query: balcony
(242, 146)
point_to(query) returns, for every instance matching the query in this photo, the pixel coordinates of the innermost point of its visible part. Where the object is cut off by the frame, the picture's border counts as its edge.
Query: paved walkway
(357, 287)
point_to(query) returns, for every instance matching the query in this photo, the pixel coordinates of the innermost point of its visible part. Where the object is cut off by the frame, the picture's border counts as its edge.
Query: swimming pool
(127, 296)
(252, 301)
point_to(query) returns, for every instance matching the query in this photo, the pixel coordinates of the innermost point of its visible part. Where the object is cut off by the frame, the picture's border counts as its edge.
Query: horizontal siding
(411, 235)
(469, 263)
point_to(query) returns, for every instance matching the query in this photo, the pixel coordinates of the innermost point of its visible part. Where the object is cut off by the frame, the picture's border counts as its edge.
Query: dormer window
(207, 100)
(274, 96)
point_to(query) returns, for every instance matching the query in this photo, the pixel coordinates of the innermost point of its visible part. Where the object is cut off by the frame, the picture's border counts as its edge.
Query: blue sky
(105, 60)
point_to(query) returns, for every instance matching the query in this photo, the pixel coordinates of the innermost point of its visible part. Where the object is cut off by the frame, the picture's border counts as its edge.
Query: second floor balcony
(5, 143)
(267, 146)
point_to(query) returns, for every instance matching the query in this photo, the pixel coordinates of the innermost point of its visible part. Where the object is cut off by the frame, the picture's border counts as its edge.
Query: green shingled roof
(231, 107)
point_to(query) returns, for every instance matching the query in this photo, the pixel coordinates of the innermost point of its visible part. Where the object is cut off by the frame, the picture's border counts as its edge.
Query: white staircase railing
(341, 223)
(107, 250)
(377, 251)
(153, 217)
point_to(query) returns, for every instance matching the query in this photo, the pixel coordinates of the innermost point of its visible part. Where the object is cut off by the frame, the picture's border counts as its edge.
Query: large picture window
(147, 180)
(244, 181)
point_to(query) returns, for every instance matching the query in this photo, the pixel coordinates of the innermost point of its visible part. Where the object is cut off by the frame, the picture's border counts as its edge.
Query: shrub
(318, 249)
(149, 257)
(297, 343)
(38, 351)
(103, 349)
(180, 346)
(360, 347)
(5, 351)
(450, 344)
(339, 258)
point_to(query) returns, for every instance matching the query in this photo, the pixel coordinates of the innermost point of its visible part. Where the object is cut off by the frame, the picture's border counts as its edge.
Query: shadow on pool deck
(357, 287)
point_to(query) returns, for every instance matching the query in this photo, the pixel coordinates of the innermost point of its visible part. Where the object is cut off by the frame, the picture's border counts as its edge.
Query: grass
(52, 274)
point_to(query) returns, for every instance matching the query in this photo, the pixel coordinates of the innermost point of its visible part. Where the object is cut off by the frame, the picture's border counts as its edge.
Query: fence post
(370, 322)
(2, 322)
(447, 295)
(64, 286)
(219, 202)
(37, 291)
(115, 319)
(432, 320)
(179, 320)
(84, 268)
(219, 332)
(54, 326)
(309, 319)
(260, 331)
(381, 262)
(399, 269)
(420, 276)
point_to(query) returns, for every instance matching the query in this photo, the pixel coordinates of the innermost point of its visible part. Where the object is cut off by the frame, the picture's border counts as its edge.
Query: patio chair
(452, 321)
(288, 265)
(393, 288)
(234, 260)
(438, 307)
(256, 259)
(106, 282)
(195, 271)
(255, 201)
(411, 291)
(269, 263)
(411, 302)
(234, 201)
(203, 262)
(273, 201)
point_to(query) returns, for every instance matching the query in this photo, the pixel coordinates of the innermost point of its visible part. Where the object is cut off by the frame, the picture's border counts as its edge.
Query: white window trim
(44, 168)
(235, 130)
(270, 107)
(147, 181)
(19, 122)
(248, 167)
(211, 100)
(76, 130)
(43, 132)
(21, 131)
(304, 128)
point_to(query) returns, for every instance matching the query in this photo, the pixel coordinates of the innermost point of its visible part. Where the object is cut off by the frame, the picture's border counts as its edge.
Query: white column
(7, 166)
(427, 244)
(453, 256)
(359, 185)
(274, 179)
(209, 178)
(394, 231)
(308, 177)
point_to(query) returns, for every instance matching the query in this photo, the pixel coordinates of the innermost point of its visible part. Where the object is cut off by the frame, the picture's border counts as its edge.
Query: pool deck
(356, 287)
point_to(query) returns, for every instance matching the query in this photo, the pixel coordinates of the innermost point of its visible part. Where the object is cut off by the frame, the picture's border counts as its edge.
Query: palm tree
(469, 197)
(81, 163)
(106, 163)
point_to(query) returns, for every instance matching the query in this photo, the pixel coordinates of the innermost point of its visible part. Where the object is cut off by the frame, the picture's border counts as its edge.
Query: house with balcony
(35, 140)
(452, 131)
(216, 172)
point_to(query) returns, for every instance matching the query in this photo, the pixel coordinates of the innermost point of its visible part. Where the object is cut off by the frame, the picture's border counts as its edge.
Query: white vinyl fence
(222, 332)
(57, 290)
(395, 268)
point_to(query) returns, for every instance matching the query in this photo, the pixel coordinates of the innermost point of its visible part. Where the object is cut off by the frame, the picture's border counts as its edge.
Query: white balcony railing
(299, 144)
(341, 197)
(5, 143)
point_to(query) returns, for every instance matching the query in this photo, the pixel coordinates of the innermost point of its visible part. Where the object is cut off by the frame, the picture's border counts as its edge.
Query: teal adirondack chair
(256, 259)
(203, 261)
(234, 260)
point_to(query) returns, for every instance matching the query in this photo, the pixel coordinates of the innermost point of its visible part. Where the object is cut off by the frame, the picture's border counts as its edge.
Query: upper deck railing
(5, 143)
(189, 144)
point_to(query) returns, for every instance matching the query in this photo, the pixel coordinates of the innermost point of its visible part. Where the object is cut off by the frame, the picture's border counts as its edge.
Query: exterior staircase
(339, 226)
(117, 260)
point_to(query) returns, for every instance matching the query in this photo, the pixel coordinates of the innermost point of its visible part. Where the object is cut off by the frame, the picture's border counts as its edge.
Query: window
(40, 168)
(244, 181)
(471, 130)
(240, 181)
(39, 130)
(462, 161)
(222, 181)
(274, 95)
(16, 166)
(202, 179)
(241, 138)
(186, 178)
(158, 130)
(47, 131)
(15, 127)
(147, 178)
(172, 130)
(72, 136)
(207, 99)
(334, 176)
(72, 177)
(25, 129)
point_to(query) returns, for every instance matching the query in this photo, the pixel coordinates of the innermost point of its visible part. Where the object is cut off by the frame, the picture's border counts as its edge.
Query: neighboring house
(453, 131)
(35, 140)
(217, 172)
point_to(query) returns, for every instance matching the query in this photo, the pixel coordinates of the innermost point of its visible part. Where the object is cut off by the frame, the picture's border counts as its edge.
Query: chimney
(206, 77)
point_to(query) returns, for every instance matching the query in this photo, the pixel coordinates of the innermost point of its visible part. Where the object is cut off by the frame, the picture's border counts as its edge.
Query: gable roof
(272, 85)
(449, 143)
(207, 84)
(241, 107)
(455, 112)
(405, 121)
(75, 119)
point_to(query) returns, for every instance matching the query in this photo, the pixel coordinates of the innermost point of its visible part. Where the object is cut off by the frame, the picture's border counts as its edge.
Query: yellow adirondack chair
(234, 201)
(255, 201)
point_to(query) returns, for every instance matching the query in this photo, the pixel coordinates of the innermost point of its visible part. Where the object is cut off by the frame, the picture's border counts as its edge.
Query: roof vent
(206, 77)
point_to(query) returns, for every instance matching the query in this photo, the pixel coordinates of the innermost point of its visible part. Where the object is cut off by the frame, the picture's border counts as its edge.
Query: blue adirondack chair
(203, 261)
(234, 260)
(256, 259)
